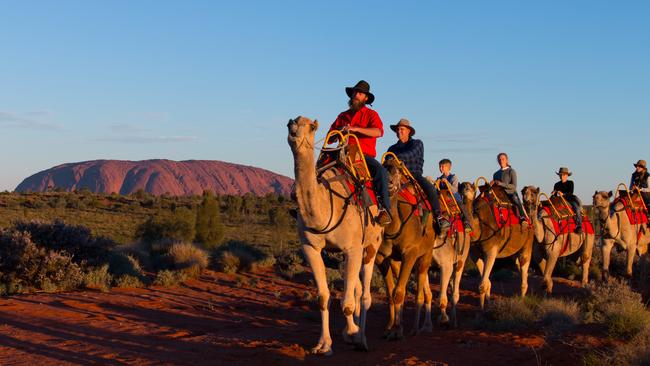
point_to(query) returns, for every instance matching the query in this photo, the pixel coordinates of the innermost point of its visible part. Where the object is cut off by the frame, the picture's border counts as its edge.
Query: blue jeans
(379, 181)
(430, 191)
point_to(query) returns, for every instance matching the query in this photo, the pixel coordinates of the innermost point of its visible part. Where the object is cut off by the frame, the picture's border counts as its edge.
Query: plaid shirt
(411, 154)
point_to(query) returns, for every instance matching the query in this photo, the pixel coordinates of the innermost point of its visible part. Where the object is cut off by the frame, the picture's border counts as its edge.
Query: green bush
(25, 267)
(179, 226)
(618, 307)
(75, 240)
(209, 229)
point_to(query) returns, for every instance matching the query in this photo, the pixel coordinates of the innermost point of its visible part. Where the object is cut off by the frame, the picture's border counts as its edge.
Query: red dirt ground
(253, 319)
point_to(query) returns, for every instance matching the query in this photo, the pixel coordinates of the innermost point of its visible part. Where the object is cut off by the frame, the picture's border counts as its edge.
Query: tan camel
(617, 229)
(410, 241)
(326, 222)
(494, 242)
(560, 245)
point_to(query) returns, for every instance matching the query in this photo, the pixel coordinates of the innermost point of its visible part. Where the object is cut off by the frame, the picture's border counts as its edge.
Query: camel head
(601, 199)
(301, 134)
(394, 175)
(529, 194)
(468, 191)
(529, 197)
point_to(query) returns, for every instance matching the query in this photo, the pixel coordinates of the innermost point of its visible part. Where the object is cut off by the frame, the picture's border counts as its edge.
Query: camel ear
(595, 193)
(314, 127)
(609, 194)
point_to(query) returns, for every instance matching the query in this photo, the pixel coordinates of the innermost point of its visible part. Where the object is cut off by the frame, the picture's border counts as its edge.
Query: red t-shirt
(365, 118)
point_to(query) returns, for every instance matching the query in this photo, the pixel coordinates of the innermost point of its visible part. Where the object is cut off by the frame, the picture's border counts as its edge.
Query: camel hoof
(427, 328)
(395, 335)
(322, 350)
(362, 345)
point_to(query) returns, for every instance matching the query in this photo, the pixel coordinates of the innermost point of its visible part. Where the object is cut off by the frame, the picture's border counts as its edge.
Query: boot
(578, 229)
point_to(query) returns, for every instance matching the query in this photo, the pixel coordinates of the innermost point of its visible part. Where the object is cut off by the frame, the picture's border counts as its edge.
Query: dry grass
(188, 258)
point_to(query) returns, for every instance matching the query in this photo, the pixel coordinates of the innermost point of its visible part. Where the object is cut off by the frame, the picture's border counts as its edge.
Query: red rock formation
(158, 177)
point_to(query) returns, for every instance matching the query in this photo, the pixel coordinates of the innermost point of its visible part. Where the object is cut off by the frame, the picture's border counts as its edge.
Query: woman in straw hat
(565, 188)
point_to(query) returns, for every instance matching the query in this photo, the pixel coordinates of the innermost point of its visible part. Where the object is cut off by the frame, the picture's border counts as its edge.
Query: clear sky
(553, 83)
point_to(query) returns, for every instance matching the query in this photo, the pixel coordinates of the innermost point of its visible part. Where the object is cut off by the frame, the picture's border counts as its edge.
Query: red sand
(215, 321)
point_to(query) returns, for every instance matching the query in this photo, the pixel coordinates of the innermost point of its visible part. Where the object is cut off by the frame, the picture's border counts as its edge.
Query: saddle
(447, 200)
(410, 189)
(634, 206)
(349, 165)
(500, 203)
(563, 217)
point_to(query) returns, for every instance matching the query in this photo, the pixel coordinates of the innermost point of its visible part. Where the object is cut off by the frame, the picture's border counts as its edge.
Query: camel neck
(308, 193)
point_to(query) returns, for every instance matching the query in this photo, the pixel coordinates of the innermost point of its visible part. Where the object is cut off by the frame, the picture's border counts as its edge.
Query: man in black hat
(641, 180)
(565, 188)
(410, 151)
(367, 126)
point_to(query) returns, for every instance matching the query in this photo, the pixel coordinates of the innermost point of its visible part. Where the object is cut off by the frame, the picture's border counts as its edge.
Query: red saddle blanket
(636, 216)
(413, 200)
(568, 225)
(504, 216)
(357, 195)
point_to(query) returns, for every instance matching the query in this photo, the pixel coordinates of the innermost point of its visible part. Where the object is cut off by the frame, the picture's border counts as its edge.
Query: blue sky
(553, 83)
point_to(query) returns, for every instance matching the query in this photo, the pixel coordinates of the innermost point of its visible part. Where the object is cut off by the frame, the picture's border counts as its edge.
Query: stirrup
(383, 217)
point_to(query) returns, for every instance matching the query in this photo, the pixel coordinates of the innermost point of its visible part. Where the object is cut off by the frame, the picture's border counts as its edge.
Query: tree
(209, 229)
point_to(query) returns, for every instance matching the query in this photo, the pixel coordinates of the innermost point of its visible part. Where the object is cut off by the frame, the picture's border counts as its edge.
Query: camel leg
(419, 302)
(608, 244)
(446, 271)
(423, 282)
(351, 270)
(587, 249)
(324, 346)
(428, 296)
(400, 294)
(484, 287)
(631, 253)
(358, 292)
(524, 261)
(386, 271)
(366, 302)
(553, 253)
(458, 276)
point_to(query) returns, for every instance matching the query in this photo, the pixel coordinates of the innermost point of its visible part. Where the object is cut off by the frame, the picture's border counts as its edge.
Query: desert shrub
(179, 226)
(140, 251)
(74, 240)
(506, 313)
(188, 258)
(209, 229)
(169, 278)
(25, 267)
(289, 263)
(124, 264)
(235, 256)
(558, 315)
(618, 307)
(127, 281)
(98, 278)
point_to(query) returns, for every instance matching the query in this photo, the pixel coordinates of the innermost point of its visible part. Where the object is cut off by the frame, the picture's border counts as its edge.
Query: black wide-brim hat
(363, 87)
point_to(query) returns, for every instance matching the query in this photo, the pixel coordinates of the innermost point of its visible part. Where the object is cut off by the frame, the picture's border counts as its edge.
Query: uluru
(158, 177)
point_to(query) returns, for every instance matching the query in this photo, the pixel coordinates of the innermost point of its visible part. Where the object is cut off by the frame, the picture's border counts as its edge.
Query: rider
(565, 188)
(367, 126)
(506, 177)
(445, 168)
(410, 151)
(641, 180)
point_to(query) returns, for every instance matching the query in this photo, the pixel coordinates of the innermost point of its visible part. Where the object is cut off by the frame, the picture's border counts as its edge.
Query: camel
(409, 242)
(560, 245)
(616, 228)
(494, 242)
(326, 222)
